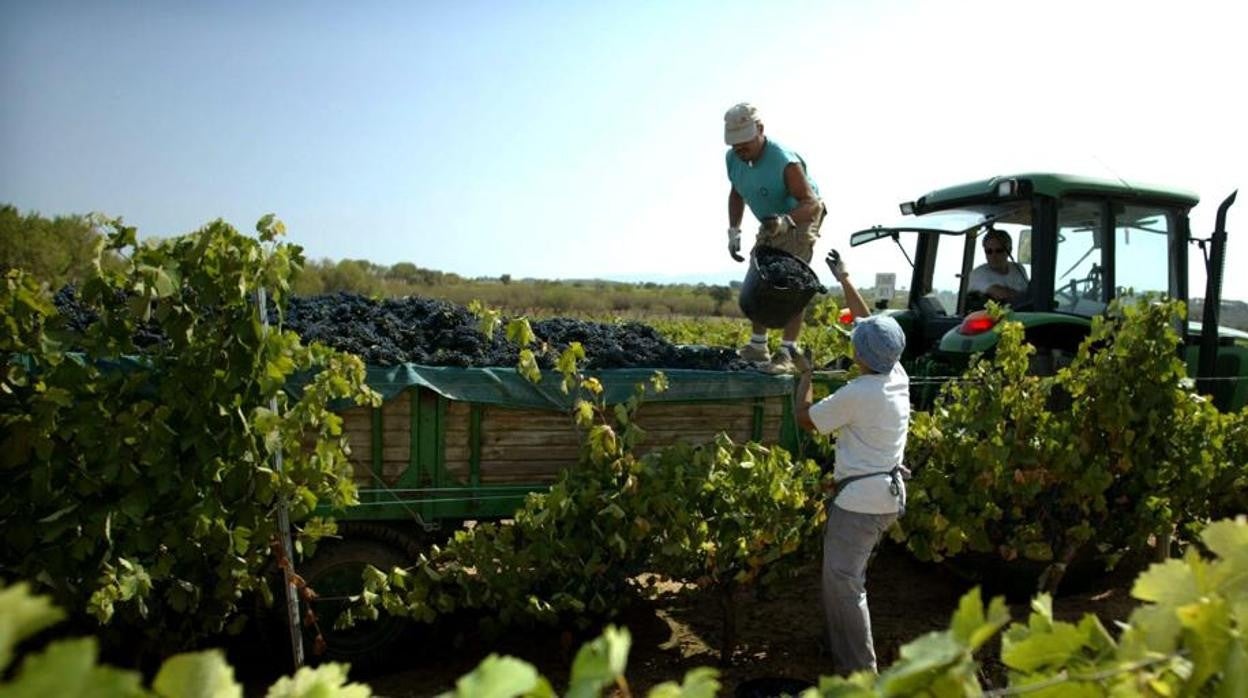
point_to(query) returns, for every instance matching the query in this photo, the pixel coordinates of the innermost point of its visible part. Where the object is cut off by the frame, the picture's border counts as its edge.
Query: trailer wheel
(334, 574)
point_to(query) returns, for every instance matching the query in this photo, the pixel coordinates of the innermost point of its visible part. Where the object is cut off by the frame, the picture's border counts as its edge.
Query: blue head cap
(878, 341)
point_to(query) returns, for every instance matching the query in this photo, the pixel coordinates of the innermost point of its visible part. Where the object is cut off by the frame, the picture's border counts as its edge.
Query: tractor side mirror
(1024, 246)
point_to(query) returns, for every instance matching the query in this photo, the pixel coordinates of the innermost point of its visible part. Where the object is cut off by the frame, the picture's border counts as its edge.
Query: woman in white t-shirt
(870, 417)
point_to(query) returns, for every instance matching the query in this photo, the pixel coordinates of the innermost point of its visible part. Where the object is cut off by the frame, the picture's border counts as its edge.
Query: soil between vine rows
(778, 633)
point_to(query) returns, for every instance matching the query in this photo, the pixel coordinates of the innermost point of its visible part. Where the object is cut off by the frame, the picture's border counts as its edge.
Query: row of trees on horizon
(61, 250)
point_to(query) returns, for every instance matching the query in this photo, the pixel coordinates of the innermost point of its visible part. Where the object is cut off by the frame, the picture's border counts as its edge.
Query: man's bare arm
(799, 188)
(736, 209)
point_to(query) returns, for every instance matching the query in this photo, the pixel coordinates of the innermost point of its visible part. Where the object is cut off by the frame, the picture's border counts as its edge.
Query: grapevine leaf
(197, 675)
(527, 366)
(497, 677)
(1228, 539)
(1234, 671)
(584, 413)
(859, 685)
(1171, 582)
(971, 626)
(487, 318)
(67, 668)
(23, 614)
(1152, 628)
(702, 682)
(599, 663)
(520, 332)
(1050, 648)
(324, 680)
(659, 382)
(922, 660)
(1208, 639)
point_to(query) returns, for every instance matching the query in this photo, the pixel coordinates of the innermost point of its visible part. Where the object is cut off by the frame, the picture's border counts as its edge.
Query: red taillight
(977, 322)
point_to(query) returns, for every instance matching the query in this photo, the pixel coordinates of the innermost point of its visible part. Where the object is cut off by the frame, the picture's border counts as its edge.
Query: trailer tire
(408, 544)
(334, 572)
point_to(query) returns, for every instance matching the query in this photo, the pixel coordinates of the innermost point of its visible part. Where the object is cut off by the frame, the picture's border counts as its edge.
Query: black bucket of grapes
(777, 287)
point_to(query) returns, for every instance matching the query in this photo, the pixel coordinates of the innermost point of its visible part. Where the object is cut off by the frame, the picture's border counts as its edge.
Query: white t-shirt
(983, 276)
(871, 415)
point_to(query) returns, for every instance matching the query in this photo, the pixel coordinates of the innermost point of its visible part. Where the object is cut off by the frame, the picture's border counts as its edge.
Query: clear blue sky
(584, 139)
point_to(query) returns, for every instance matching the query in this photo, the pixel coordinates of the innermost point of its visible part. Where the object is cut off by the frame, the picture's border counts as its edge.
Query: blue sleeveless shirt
(762, 184)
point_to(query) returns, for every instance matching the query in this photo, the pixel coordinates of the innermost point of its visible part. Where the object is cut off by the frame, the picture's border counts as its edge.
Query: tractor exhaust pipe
(1208, 362)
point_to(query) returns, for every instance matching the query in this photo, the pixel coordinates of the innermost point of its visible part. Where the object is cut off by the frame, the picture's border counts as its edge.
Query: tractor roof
(1055, 185)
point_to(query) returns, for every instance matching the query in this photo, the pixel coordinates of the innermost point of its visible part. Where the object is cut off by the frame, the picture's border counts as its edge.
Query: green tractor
(1076, 243)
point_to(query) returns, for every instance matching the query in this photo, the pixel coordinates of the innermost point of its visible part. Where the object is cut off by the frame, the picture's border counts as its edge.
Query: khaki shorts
(799, 242)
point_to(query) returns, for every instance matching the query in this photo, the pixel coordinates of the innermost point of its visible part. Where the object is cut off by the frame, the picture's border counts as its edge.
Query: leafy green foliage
(70, 668)
(819, 332)
(1109, 451)
(55, 251)
(720, 514)
(715, 514)
(143, 491)
(1187, 639)
(599, 665)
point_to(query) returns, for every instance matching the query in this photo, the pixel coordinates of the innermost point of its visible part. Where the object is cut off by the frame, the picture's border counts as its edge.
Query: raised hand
(836, 265)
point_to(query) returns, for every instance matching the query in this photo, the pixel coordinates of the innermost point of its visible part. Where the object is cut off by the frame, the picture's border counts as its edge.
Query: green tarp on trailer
(504, 386)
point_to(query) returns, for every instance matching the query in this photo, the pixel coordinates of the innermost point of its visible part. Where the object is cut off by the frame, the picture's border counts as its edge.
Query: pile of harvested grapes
(440, 333)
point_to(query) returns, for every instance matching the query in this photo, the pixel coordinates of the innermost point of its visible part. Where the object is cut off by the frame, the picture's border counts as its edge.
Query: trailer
(454, 444)
(449, 446)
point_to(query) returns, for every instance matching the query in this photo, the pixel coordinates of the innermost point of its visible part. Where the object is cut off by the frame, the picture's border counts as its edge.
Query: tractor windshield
(1141, 235)
(954, 244)
(953, 221)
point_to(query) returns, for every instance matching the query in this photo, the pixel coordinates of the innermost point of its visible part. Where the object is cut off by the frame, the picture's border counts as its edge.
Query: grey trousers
(847, 544)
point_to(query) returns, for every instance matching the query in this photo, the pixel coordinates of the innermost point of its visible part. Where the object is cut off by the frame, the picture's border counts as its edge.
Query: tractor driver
(1000, 278)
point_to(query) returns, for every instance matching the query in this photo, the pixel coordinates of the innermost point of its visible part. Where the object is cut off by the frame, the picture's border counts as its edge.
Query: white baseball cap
(740, 124)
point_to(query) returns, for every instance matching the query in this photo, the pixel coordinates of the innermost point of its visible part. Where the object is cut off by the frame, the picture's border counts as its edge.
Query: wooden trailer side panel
(381, 440)
(513, 446)
(532, 446)
(423, 458)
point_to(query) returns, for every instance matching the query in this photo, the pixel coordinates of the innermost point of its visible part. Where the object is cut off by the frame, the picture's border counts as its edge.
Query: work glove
(734, 243)
(837, 266)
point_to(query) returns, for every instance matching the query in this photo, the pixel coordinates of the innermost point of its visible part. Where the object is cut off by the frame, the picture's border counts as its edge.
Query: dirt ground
(778, 634)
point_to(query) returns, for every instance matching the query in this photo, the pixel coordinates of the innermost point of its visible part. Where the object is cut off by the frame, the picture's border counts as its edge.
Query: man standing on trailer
(773, 181)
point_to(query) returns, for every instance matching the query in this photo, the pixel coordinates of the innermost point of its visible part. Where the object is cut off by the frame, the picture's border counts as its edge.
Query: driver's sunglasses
(994, 250)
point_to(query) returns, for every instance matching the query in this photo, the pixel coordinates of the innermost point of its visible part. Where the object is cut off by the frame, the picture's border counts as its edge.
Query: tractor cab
(1055, 249)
